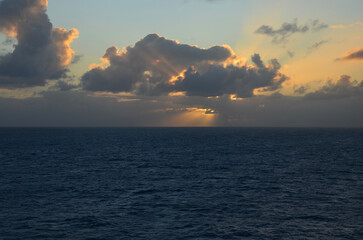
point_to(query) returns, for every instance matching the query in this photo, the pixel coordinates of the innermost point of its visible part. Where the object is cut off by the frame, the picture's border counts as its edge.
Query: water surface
(181, 183)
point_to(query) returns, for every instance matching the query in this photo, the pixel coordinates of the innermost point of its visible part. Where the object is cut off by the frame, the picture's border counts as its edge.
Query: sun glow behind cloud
(186, 76)
(196, 117)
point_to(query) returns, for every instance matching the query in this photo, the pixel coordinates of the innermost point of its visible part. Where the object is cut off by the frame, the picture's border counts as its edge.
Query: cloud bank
(159, 66)
(73, 108)
(343, 88)
(41, 52)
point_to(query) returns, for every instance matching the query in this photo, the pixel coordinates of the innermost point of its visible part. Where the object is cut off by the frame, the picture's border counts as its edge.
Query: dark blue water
(181, 183)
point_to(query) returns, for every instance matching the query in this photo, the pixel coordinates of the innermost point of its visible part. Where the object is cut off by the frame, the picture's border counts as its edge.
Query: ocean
(181, 183)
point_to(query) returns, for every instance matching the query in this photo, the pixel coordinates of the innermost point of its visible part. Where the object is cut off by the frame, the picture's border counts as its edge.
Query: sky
(250, 63)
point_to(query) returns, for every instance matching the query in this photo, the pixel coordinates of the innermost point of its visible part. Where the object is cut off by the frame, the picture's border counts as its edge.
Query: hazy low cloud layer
(73, 108)
(159, 66)
(356, 54)
(282, 34)
(41, 52)
(343, 88)
(336, 104)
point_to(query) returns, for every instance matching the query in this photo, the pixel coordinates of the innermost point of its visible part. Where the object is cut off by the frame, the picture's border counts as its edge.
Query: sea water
(181, 183)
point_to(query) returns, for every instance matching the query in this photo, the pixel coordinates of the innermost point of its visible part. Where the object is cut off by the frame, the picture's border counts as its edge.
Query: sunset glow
(182, 66)
(181, 119)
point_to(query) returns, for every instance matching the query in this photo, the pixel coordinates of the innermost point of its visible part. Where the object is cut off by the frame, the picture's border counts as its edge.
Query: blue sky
(196, 22)
(205, 23)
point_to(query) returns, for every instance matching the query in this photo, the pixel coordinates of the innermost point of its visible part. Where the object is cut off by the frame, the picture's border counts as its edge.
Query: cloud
(41, 53)
(316, 25)
(282, 34)
(159, 66)
(318, 44)
(217, 80)
(355, 54)
(77, 108)
(65, 86)
(291, 54)
(300, 90)
(76, 58)
(343, 88)
(149, 65)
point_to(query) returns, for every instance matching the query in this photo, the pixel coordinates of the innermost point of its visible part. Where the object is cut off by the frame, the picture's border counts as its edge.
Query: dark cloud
(343, 88)
(158, 66)
(356, 54)
(216, 80)
(149, 65)
(41, 52)
(282, 34)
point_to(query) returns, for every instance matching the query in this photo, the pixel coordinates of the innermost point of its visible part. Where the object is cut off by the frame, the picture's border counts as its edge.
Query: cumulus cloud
(216, 80)
(149, 65)
(159, 66)
(343, 88)
(41, 52)
(356, 54)
(282, 34)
